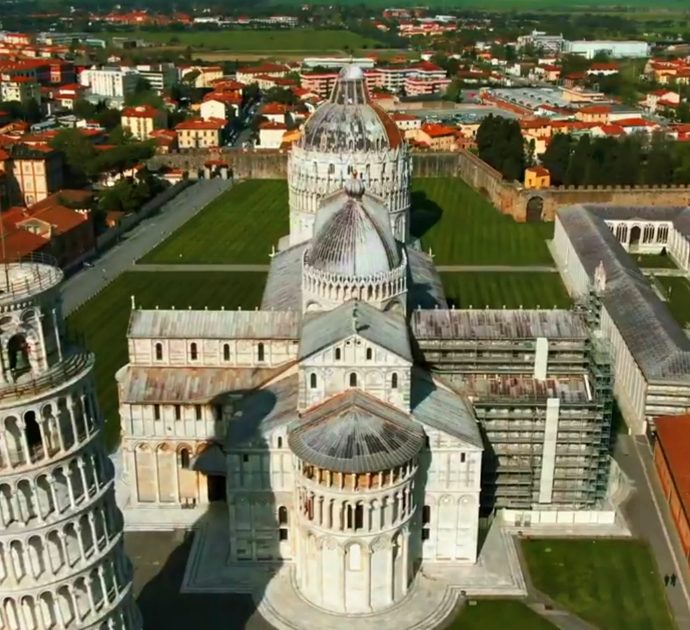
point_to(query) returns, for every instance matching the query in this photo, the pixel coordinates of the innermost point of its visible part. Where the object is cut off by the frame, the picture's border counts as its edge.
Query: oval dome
(353, 235)
(349, 121)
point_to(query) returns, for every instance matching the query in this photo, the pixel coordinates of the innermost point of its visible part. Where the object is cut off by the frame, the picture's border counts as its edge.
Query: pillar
(405, 560)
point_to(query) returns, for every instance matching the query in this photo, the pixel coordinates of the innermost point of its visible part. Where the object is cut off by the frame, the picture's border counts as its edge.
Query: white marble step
(427, 606)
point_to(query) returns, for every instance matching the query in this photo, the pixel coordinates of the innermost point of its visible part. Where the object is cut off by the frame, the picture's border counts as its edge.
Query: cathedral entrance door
(216, 488)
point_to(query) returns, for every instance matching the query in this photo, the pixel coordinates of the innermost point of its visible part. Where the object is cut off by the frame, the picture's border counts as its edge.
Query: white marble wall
(377, 371)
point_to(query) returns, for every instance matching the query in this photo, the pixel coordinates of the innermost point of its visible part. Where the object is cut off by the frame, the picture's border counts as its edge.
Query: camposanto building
(354, 426)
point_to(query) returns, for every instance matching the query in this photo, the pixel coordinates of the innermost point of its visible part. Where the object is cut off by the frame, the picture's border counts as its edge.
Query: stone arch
(18, 354)
(635, 235)
(13, 436)
(534, 211)
(32, 433)
(166, 472)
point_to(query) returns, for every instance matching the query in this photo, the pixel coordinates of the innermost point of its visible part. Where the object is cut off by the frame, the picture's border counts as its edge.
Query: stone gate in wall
(509, 197)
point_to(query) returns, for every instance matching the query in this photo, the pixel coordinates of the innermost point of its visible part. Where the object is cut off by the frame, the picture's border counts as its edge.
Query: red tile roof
(140, 111)
(673, 438)
(212, 124)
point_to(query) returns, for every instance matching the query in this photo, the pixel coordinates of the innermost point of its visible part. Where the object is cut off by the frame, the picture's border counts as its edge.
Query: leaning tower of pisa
(62, 563)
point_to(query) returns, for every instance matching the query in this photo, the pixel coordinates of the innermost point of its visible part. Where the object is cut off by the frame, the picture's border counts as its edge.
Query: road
(239, 267)
(138, 241)
(648, 517)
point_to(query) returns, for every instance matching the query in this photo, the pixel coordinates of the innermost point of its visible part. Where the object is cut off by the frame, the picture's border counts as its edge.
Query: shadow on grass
(424, 214)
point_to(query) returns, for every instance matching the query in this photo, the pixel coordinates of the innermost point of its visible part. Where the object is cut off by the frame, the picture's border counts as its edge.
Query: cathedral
(356, 427)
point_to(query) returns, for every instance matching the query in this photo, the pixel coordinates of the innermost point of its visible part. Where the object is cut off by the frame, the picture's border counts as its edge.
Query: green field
(678, 294)
(297, 39)
(654, 261)
(462, 227)
(101, 323)
(239, 226)
(495, 290)
(613, 584)
(499, 614)
(456, 222)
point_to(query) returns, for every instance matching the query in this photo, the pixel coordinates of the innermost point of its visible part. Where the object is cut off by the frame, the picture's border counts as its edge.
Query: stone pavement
(434, 595)
(140, 240)
(649, 518)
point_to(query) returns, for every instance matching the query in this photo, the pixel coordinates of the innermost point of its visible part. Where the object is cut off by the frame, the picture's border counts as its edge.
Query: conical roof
(349, 121)
(353, 235)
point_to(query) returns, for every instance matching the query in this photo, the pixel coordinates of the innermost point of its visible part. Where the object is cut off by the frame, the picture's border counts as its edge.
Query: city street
(648, 517)
(134, 244)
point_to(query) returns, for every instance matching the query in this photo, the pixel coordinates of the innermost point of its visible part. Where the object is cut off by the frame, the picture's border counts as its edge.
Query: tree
(659, 167)
(500, 144)
(683, 112)
(556, 158)
(579, 165)
(79, 154)
(120, 135)
(454, 91)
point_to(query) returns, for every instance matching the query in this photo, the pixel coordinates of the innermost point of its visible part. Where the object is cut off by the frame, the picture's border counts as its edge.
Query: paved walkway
(648, 517)
(238, 267)
(138, 241)
(679, 273)
(198, 267)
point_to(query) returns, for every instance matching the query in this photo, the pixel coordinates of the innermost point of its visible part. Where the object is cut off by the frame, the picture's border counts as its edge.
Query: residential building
(320, 83)
(613, 48)
(425, 86)
(249, 74)
(220, 105)
(197, 133)
(141, 120)
(21, 89)
(35, 172)
(161, 76)
(438, 137)
(271, 135)
(109, 82)
(537, 177)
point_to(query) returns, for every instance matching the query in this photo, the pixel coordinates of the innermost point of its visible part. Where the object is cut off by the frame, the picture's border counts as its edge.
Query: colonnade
(43, 431)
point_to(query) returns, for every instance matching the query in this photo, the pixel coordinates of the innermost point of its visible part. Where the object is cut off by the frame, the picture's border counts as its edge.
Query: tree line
(630, 160)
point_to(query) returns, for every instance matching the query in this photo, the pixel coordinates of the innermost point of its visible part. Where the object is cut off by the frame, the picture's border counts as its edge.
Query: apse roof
(354, 432)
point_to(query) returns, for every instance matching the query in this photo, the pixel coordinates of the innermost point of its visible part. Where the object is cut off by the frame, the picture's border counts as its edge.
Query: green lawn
(295, 39)
(678, 294)
(240, 226)
(654, 261)
(101, 323)
(499, 614)
(613, 584)
(481, 289)
(462, 227)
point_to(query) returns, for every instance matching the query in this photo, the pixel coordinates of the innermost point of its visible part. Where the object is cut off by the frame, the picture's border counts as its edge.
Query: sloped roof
(146, 385)
(434, 405)
(354, 432)
(197, 324)
(658, 344)
(387, 330)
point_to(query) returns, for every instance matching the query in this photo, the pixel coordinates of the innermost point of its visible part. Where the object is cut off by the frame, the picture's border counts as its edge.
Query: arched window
(159, 352)
(282, 515)
(184, 458)
(226, 352)
(359, 516)
(337, 354)
(197, 412)
(394, 380)
(193, 353)
(33, 435)
(260, 353)
(370, 354)
(353, 379)
(312, 381)
(280, 442)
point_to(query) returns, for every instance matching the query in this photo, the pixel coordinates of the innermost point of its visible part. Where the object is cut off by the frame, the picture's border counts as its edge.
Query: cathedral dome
(353, 235)
(349, 121)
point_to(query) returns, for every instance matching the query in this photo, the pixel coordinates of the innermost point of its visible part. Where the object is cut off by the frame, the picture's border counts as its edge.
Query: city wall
(509, 197)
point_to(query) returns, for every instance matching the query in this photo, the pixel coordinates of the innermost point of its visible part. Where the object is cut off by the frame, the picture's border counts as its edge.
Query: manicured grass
(493, 289)
(101, 323)
(462, 227)
(240, 226)
(654, 261)
(678, 294)
(499, 614)
(613, 584)
(301, 39)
